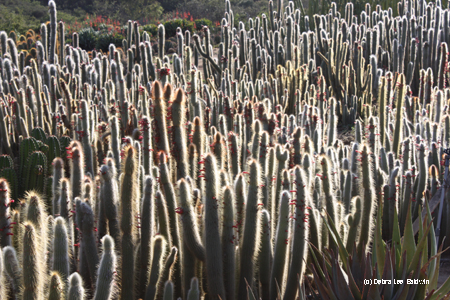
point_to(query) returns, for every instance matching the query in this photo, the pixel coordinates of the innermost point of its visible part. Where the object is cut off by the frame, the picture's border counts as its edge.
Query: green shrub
(203, 22)
(87, 38)
(104, 39)
(172, 25)
(151, 29)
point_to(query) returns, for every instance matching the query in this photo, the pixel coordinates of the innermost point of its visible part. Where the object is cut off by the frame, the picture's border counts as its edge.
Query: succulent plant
(293, 164)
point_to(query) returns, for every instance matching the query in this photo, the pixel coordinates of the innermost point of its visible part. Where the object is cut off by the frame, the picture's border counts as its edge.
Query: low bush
(172, 25)
(199, 23)
(151, 29)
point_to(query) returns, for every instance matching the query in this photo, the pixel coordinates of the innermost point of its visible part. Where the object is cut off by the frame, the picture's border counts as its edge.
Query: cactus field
(301, 158)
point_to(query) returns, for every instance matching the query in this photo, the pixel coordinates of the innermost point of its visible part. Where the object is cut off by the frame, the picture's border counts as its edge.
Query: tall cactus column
(5, 217)
(369, 199)
(251, 238)
(128, 222)
(299, 235)
(52, 44)
(213, 259)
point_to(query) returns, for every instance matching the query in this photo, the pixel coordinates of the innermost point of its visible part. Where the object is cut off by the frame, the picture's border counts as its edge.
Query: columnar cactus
(228, 243)
(33, 280)
(61, 260)
(109, 202)
(147, 231)
(58, 174)
(76, 290)
(280, 255)
(157, 262)
(276, 96)
(106, 277)
(88, 246)
(53, 30)
(77, 168)
(179, 149)
(159, 118)
(368, 199)
(56, 286)
(4, 290)
(300, 233)
(191, 234)
(169, 193)
(5, 222)
(212, 230)
(127, 223)
(252, 232)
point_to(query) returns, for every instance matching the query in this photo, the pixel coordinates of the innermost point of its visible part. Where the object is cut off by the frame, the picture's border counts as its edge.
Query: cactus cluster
(123, 179)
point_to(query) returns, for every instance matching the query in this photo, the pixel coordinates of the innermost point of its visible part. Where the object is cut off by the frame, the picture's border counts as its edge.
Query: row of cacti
(140, 182)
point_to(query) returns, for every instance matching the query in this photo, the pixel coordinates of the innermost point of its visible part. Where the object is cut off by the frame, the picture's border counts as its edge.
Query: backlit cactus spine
(37, 216)
(166, 272)
(5, 216)
(53, 30)
(58, 174)
(212, 230)
(56, 287)
(61, 261)
(106, 277)
(191, 234)
(368, 199)
(147, 232)
(159, 118)
(77, 168)
(76, 290)
(109, 202)
(88, 248)
(252, 230)
(400, 99)
(327, 180)
(85, 135)
(157, 263)
(127, 223)
(12, 268)
(281, 256)
(423, 177)
(300, 235)
(4, 288)
(228, 243)
(179, 150)
(33, 274)
(169, 193)
(147, 144)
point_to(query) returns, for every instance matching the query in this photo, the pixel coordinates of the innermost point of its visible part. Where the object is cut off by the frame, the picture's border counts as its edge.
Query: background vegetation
(21, 15)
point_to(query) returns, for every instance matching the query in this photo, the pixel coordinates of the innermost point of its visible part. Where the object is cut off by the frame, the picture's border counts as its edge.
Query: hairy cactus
(5, 222)
(251, 237)
(212, 230)
(106, 277)
(76, 290)
(288, 136)
(127, 222)
(33, 280)
(109, 202)
(57, 287)
(191, 233)
(147, 231)
(368, 199)
(61, 260)
(157, 264)
(88, 247)
(281, 256)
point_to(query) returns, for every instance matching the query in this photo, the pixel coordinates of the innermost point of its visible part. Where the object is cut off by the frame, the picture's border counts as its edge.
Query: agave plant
(401, 269)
